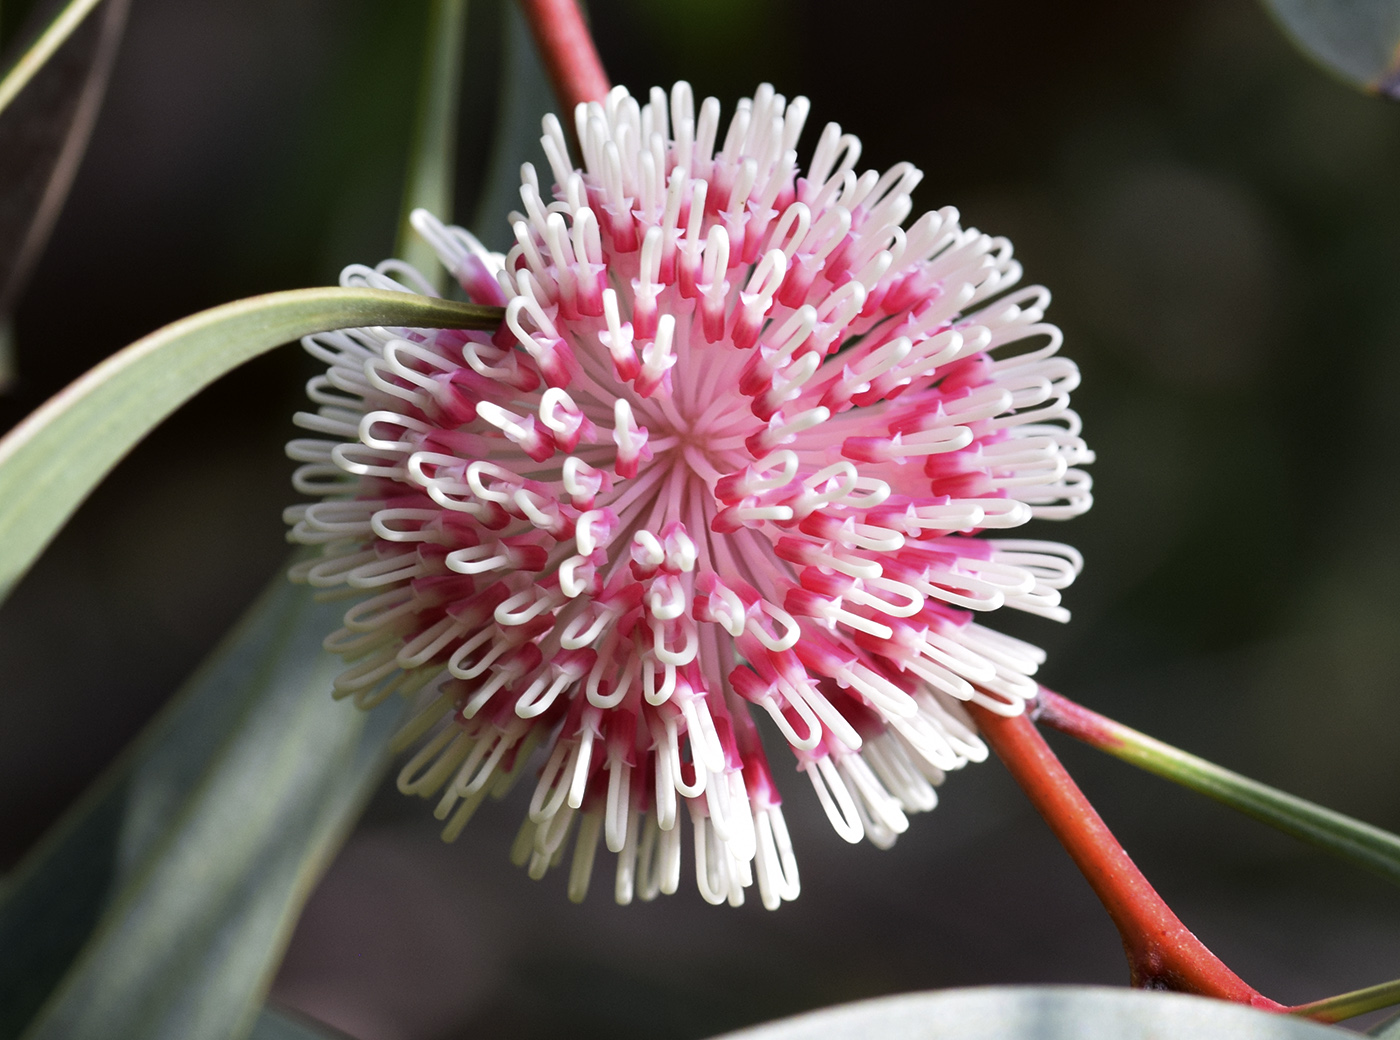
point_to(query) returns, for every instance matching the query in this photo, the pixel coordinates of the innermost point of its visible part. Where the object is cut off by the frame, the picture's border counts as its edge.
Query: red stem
(570, 57)
(1162, 952)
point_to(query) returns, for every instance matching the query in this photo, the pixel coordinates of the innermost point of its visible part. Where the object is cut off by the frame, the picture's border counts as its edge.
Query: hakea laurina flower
(734, 447)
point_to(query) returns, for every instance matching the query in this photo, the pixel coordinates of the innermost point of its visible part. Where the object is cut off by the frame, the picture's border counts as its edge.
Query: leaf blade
(55, 457)
(216, 824)
(1039, 1013)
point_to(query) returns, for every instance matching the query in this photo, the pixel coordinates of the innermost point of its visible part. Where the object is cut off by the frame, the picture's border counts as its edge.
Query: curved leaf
(1358, 40)
(51, 461)
(160, 905)
(1040, 1013)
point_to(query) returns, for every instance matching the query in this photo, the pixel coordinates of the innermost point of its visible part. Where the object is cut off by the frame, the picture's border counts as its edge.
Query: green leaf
(1358, 40)
(526, 97)
(432, 159)
(42, 140)
(160, 905)
(28, 63)
(1040, 1013)
(52, 460)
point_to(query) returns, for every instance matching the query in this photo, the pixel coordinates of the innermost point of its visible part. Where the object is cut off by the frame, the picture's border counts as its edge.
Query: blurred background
(1220, 225)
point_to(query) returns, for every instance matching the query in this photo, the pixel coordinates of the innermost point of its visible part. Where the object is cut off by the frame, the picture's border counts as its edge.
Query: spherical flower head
(732, 456)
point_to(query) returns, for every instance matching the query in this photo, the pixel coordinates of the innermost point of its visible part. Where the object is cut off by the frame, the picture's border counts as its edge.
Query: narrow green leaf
(1375, 849)
(160, 906)
(526, 97)
(45, 45)
(42, 140)
(1358, 40)
(432, 160)
(1040, 1013)
(52, 460)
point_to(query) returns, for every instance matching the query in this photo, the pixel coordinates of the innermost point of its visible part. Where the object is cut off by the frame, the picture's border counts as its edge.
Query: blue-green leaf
(1358, 40)
(160, 905)
(51, 461)
(1040, 1013)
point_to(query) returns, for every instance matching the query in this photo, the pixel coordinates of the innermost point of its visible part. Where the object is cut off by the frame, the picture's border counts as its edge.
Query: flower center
(695, 436)
(707, 439)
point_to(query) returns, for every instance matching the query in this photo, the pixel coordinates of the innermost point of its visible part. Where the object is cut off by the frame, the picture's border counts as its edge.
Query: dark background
(1220, 224)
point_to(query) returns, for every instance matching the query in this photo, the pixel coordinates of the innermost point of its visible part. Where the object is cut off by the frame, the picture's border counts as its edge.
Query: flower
(734, 447)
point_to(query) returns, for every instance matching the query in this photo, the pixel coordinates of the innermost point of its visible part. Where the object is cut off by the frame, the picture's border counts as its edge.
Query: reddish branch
(570, 58)
(1162, 952)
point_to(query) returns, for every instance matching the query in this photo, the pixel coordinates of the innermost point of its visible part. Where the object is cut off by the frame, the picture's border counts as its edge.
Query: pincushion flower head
(743, 451)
